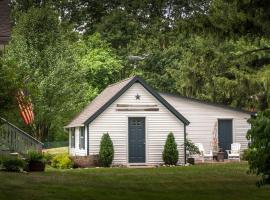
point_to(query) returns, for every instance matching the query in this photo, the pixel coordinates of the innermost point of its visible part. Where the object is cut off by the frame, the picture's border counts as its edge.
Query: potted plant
(191, 149)
(220, 155)
(36, 161)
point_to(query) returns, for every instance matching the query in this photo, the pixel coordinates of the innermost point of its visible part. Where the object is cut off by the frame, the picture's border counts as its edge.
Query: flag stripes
(26, 107)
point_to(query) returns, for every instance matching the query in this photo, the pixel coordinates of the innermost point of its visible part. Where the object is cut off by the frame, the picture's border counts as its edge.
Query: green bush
(48, 158)
(13, 164)
(106, 152)
(62, 161)
(170, 153)
(191, 148)
(36, 156)
(258, 155)
(246, 154)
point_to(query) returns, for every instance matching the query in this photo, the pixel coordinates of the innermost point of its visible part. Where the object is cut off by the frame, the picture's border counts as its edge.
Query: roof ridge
(121, 81)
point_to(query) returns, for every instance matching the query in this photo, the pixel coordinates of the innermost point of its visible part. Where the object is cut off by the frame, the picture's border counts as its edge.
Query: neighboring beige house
(138, 120)
(5, 24)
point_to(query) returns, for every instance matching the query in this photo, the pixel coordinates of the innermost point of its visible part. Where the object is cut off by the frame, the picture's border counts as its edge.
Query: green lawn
(58, 150)
(225, 181)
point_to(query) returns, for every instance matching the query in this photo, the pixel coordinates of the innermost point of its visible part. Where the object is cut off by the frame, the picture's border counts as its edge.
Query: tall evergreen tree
(170, 152)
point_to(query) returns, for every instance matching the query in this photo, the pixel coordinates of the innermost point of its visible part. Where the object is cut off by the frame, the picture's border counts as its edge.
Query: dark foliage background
(65, 52)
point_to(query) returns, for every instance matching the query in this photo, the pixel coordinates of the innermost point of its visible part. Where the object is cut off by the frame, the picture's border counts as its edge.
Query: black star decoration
(137, 97)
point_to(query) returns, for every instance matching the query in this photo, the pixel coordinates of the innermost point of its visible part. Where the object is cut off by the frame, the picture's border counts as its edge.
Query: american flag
(26, 107)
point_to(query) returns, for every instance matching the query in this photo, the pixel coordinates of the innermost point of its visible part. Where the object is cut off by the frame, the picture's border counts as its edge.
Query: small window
(82, 138)
(72, 137)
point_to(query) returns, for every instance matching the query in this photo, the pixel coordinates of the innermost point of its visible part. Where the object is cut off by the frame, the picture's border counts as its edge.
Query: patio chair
(203, 154)
(234, 153)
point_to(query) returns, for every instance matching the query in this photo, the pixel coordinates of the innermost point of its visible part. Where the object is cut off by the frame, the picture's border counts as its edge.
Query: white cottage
(138, 120)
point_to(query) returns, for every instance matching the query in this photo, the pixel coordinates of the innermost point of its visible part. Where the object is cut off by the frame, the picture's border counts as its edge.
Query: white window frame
(82, 137)
(72, 138)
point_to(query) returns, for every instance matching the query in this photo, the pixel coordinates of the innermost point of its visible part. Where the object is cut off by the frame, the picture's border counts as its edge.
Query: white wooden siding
(77, 151)
(158, 125)
(202, 118)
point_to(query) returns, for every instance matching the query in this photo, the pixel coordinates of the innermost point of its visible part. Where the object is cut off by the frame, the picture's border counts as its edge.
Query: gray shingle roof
(98, 102)
(109, 95)
(114, 91)
(172, 99)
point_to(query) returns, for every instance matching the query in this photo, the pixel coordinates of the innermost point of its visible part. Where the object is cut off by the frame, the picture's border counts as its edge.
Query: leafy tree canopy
(65, 52)
(98, 62)
(258, 154)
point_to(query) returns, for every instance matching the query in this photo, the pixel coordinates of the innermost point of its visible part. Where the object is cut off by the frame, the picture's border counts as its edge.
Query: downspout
(185, 152)
(88, 139)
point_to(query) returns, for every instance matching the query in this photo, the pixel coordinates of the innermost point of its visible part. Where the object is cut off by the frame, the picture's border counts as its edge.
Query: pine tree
(106, 152)
(170, 153)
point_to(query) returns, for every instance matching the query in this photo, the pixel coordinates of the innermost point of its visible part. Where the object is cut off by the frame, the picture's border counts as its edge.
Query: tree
(221, 72)
(211, 50)
(45, 65)
(170, 153)
(258, 155)
(98, 62)
(242, 18)
(8, 87)
(106, 151)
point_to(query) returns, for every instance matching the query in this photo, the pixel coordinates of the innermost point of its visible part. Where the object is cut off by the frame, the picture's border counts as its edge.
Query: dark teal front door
(136, 139)
(225, 135)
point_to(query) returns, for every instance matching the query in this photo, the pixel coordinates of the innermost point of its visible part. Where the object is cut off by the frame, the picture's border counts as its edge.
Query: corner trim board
(87, 139)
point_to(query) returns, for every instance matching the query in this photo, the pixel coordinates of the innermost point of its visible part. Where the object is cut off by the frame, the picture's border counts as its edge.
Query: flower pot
(191, 161)
(220, 156)
(36, 166)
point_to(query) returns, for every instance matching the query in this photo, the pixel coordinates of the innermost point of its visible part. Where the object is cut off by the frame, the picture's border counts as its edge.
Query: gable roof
(169, 97)
(112, 93)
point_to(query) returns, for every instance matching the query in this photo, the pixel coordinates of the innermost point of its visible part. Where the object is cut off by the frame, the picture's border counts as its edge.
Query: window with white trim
(72, 135)
(82, 138)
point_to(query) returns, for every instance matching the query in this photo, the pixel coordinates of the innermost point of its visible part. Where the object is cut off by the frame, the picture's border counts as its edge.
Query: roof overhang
(73, 126)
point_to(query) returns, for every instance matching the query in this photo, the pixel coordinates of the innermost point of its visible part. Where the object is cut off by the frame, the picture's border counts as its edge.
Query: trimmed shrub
(170, 153)
(13, 164)
(62, 161)
(106, 152)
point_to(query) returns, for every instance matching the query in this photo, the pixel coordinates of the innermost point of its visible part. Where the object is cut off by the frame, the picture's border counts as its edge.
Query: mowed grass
(59, 150)
(222, 181)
